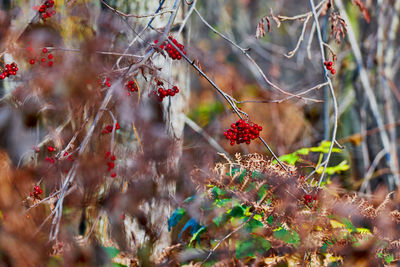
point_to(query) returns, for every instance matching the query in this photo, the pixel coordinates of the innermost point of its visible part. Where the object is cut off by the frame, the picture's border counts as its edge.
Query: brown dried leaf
(363, 9)
(260, 32)
(339, 26)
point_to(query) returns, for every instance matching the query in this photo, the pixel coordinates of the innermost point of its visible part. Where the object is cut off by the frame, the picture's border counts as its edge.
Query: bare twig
(244, 51)
(227, 236)
(136, 16)
(328, 80)
(369, 92)
(206, 136)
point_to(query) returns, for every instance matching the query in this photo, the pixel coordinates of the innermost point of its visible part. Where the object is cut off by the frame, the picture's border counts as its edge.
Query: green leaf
(290, 158)
(196, 236)
(363, 231)
(175, 217)
(193, 225)
(256, 174)
(222, 202)
(221, 218)
(288, 236)
(324, 148)
(303, 151)
(189, 199)
(270, 219)
(217, 192)
(248, 248)
(237, 211)
(112, 252)
(252, 225)
(343, 166)
(389, 258)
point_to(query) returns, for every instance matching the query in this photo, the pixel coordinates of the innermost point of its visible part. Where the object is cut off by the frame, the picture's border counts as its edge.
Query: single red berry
(111, 165)
(113, 174)
(50, 56)
(333, 71)
(44, 50)
(32, 61)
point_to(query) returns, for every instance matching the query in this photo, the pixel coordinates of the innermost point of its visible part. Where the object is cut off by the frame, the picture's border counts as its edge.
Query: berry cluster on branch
(170, 49)
(242, 132)
(162, 92)
(46, 9)
(329, 66)
(9, 70)
(36, 192)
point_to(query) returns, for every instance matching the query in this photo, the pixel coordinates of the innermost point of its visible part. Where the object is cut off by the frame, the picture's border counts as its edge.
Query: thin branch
(300, 40)
(206, 136)
(136, 16)
(227, 236)
(369, 93)
(328, 80)
(226, 97)
(244, 51)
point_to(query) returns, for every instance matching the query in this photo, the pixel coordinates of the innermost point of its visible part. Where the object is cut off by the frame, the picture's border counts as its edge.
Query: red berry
(333, 71)
(44, 50)
(50, 56)
(32, 61)
(113, 174)
(111, 165)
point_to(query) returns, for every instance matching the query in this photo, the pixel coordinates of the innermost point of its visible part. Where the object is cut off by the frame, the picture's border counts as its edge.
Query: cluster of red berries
(36, 191)
(162, 92)
(110, 163)
(308, 199)
(68, 157)
(43, 58)
(45, 10)
(131, 86)
(10, 69)
(51, 160)
(242, 132)
(170, 49)
(109, 128)
(329, 66)
(107, 82)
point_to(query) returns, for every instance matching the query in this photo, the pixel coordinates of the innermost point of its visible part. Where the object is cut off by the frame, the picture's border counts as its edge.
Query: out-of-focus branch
(245, 52)
(206, 136)
(136, 16)
(368, 91)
